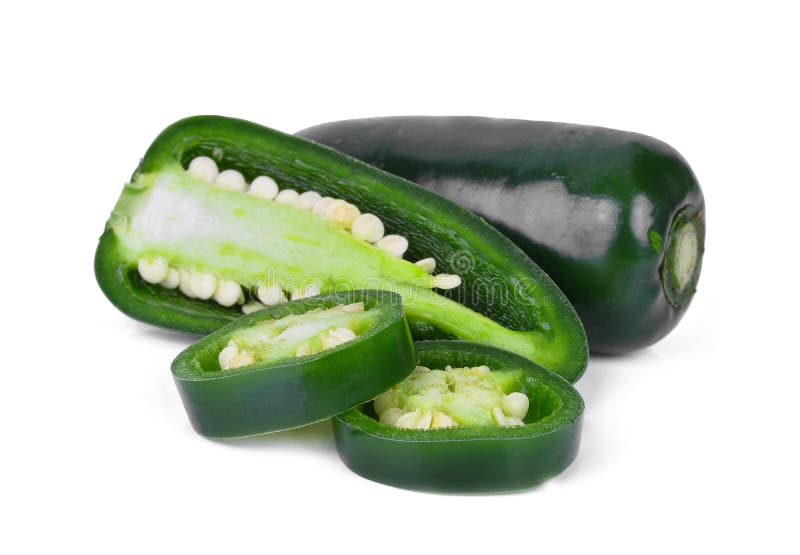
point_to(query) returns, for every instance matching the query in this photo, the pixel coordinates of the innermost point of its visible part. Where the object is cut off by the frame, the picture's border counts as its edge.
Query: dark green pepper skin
(269, 397)
(594, 207)
(499, 281)
(469, 460)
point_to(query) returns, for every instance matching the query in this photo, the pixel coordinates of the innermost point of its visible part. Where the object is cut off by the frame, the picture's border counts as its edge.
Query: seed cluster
(511, 411)
(367, 227)
(194, 284)
(330, 339)
(235, 355)
(232, 357)
(205, 285)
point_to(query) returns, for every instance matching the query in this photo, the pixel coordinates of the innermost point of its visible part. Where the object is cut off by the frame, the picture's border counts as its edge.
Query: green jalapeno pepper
(471, 418)
(224, 216)
(617, 219)
(293, 364)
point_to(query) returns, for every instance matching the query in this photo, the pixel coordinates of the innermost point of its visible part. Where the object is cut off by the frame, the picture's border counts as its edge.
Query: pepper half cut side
(482, 458)
(293, 364)
(173, 241)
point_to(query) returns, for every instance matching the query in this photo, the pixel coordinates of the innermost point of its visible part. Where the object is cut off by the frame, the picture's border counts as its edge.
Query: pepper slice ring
(297, 390)
(469, 459)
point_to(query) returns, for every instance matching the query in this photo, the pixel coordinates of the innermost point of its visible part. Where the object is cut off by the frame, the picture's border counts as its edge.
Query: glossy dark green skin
(520, 295)
(479, 459)
(592, 206)
(267, 397)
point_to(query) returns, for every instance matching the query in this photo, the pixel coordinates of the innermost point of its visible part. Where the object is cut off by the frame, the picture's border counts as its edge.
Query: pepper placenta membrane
(470, 418)
(617, 219)
(296, 363)
(469, 396)
(224, 216)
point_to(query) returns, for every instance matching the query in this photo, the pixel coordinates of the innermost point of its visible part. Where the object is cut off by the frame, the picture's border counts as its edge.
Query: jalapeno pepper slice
(465, 436)
(293, 364)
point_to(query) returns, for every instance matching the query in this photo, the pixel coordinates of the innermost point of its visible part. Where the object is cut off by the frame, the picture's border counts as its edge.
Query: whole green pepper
(617, 219)
(293, 364)
(458, 458)
(201, 228)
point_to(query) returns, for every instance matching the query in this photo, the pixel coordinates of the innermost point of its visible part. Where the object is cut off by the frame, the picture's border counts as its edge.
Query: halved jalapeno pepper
(470, 418)
(224, 216)
(293, 364)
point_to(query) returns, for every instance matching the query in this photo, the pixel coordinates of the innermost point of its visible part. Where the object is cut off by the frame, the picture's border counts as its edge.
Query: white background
(688, 446)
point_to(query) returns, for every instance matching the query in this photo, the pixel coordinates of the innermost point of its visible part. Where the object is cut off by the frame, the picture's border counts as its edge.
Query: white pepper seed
(153, 269)
(427, 264)
(264, 187)
(231, 180)
(396, 245)
(203, 168)
(287, 196)
(271, 295)
(516, 404)
(389, 416)
(203, 284)
(172, 279)
(367, 227)
(446, 281)
(227, 292)
(307, 200)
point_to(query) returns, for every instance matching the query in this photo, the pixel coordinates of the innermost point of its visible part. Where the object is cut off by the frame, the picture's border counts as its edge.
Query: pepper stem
(683, 256)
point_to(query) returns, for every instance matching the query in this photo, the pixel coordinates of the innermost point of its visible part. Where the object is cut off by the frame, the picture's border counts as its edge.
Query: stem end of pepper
(683, 256)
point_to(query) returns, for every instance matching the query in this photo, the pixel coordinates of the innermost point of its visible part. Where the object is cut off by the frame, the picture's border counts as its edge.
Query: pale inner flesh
(247, 240)
(453, 397)
(296, 335)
